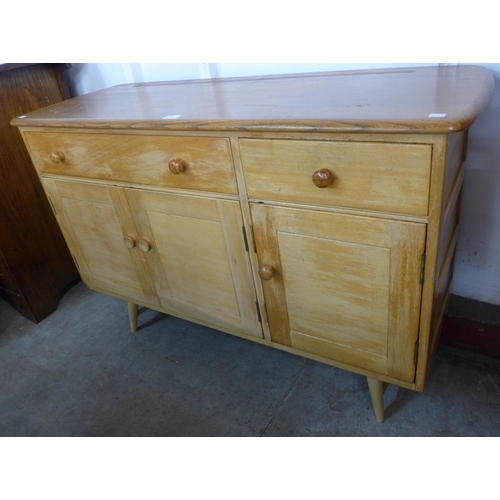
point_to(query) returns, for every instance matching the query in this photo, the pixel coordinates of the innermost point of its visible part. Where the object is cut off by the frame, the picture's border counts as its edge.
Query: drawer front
(364, 175)
(137, 159)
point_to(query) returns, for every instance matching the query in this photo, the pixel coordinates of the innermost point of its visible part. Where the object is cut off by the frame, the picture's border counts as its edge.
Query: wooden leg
(133, 312)
(377, 389)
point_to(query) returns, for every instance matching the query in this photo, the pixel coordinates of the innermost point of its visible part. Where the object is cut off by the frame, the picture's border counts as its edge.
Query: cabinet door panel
(345, 287)
(194, 257)
(94, 230)
(198, 257)
(351, 296)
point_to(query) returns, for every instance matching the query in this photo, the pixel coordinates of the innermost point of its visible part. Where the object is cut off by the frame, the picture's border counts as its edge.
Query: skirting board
(472, 325)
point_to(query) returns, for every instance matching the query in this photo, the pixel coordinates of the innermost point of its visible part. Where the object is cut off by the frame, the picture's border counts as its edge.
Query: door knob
(129, 242)
(177, 166)
(322, 178)
(145, 246)
(267, 272)
(57, 156)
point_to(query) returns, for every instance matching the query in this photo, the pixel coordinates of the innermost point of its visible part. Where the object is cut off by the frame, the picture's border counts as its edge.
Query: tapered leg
(377, 389)
(133, 312)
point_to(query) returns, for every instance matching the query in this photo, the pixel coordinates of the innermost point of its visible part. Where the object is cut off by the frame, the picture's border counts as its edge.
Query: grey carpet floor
(80, 372)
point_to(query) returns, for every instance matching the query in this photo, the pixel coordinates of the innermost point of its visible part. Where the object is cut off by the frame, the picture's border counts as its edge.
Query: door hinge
(422, 269)
(247, 246)
(415, 354)
(258, 311)
(253, 238)
(245, 237)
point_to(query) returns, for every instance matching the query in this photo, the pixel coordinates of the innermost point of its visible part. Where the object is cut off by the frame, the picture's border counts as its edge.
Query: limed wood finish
(388, 101)
(205, 163)
(377, 390)
(35, 264)
(317, 214)
(357, 275)
(365, 175)
(172, 251)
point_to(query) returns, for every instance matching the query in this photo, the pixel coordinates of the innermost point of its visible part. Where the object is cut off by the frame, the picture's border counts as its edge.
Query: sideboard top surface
(435, 99)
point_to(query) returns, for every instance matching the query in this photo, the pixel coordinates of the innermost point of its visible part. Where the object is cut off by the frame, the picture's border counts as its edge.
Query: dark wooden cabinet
(35, 263)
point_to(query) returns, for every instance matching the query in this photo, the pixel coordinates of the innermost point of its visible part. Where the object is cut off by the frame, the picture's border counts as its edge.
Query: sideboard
(314, 213)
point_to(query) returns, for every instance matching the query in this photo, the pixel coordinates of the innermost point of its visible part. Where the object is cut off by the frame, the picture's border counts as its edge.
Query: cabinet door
(343, 287)
(95, 221)
(198, 258)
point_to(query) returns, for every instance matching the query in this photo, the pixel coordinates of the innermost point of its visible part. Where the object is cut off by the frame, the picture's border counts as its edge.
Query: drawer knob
(177, 166)
(266, 272)
(57, 156)
(144, 245)
(322, 178)
(129, 242)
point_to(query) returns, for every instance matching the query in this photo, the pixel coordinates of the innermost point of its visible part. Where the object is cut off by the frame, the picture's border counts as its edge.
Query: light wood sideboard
(314, 213)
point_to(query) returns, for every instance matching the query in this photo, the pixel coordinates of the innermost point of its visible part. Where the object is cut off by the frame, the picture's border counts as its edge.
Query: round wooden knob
(57, 156)
(322, 178)
(129, 242)
(177, 166)
(266, 272)
(144, 245)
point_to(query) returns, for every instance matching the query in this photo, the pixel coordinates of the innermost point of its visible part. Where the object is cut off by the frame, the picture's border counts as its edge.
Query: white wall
(477, 268)
(91, 77)
(477, 265)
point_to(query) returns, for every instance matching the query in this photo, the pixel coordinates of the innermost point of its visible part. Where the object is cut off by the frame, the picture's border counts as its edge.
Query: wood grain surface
(139, 159)
(369, 175)
(35, 264)
(420, 100)
(329, 202)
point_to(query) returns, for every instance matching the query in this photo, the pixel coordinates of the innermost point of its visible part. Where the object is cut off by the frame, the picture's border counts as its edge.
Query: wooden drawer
(137, 159)
(389, 177)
